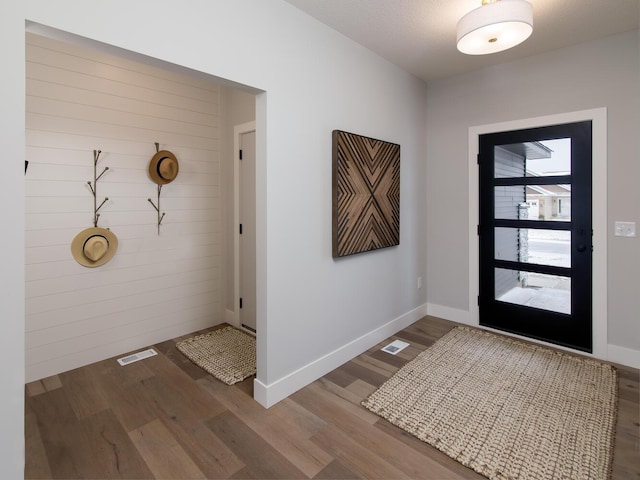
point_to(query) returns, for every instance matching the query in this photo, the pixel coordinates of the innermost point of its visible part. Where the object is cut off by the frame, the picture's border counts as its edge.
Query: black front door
(535, 233)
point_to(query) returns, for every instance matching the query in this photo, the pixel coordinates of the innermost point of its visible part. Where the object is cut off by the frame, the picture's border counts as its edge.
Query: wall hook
(157, 207)
(94, 187)
(163, 168)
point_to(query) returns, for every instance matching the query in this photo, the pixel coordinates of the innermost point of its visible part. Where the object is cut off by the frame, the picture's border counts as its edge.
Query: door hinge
(240, 302)
(478, 230)
(240, 229)
(478, 159)
(240, 154)
(478, 300)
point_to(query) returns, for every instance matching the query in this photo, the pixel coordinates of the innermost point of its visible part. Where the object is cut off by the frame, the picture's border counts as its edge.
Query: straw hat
(163, 167)
(94, 246)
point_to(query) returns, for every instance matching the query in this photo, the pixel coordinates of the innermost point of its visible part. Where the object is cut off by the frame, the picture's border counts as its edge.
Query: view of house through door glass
(535, 233)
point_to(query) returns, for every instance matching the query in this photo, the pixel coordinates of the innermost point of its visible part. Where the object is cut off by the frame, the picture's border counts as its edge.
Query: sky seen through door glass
(560, 161)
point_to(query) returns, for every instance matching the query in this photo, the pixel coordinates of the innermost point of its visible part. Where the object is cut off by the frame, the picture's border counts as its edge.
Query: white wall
(12, 251)
(156, 287)
(603, 73)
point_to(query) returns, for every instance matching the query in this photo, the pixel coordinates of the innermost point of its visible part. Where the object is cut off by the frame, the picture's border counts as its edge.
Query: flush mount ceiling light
(495, 26)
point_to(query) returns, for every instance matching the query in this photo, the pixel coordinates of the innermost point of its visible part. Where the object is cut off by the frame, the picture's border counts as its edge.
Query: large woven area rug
(505, 408)
(227, 353)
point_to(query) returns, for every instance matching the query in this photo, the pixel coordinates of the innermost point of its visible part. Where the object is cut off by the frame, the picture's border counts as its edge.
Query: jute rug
(227, 353)
(506, 409)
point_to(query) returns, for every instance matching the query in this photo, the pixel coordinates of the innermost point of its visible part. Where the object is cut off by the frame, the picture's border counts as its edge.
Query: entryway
(245, 207)
(552, 241)
(536, 271)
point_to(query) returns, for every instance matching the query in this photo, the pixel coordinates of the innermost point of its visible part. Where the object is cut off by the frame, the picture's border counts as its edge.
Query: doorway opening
(537, 261)
(193, 240)
(535, 267)
(245, 222)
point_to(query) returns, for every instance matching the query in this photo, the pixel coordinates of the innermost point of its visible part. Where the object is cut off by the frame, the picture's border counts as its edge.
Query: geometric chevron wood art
(366, 194)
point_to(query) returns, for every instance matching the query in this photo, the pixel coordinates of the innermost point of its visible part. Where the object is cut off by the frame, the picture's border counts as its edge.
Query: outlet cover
(625, 229)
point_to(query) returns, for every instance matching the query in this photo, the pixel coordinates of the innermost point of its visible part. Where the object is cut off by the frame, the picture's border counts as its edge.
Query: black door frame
(470, 315)
(572, 330)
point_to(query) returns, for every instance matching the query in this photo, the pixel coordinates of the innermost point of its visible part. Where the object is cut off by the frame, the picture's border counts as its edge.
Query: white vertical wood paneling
(156, 287)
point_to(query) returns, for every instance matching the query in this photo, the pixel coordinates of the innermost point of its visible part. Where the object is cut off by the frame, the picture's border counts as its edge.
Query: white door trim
(599, 210)
(238, 131)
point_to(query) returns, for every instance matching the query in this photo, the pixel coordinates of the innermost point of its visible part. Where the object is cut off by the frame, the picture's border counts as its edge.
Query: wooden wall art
(366, 194)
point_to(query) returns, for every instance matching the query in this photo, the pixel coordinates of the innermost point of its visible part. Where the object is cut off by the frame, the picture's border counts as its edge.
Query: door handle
(581, 248)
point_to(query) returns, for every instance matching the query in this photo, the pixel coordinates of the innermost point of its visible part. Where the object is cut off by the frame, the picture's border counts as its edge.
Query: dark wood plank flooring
(163, 417)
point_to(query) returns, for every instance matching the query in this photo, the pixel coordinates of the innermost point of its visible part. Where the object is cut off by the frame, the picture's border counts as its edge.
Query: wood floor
(163, 417)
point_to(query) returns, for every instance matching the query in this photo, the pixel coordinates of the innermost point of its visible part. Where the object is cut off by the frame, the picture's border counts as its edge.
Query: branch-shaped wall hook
(157, 207)
(94, 187)
(163, 168)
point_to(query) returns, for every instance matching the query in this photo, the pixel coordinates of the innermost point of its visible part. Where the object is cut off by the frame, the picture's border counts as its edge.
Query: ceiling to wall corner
(420, 35)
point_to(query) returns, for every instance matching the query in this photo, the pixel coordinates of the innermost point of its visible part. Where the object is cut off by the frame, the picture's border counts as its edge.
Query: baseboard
(448, 313)
(623, 355)
(117, 347)
(269, 395)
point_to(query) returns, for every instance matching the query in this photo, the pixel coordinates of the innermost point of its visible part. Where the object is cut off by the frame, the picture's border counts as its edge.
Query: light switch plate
(625, 229)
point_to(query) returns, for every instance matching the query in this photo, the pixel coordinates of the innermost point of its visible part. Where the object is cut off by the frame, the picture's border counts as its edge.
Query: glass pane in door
(533, 202)
(531, 245)
(546, 292)
(541, 158)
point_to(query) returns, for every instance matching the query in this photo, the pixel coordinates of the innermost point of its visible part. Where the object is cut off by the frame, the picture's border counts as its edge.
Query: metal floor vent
(395, 347)
(136, 357)
(251, 329)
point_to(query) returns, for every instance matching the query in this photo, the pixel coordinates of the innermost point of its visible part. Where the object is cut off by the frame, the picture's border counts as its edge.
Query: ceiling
(420, 35)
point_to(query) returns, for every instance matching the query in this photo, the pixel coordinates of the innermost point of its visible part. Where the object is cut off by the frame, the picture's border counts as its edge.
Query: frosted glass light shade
(495, 27)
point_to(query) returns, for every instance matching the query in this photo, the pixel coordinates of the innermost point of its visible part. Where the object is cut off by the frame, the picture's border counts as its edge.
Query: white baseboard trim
(448, 313)
(115, 347)
(623, 355)
(269, 395)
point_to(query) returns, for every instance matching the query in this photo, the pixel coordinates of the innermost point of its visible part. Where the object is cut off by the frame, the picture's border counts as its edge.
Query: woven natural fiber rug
(227, 353)
(505, 408)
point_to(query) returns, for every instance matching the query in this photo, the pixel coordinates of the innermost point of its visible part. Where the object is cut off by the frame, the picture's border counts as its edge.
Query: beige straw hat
(94, 246)
(163, 167)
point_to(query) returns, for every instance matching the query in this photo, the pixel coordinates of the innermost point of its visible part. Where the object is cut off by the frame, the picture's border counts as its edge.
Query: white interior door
(247, 246)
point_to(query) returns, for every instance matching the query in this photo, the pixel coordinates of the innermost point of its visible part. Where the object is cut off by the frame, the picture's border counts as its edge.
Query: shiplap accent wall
(157, 286)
